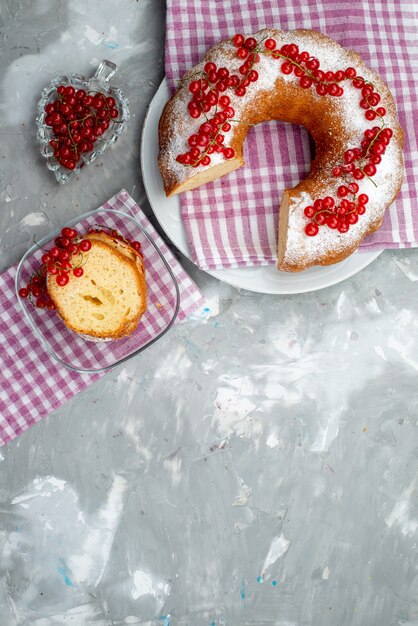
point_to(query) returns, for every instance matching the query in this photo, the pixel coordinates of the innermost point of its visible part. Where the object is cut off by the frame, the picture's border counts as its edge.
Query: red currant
(71, 233)
(312, 64)
(238, 40)
(84, 245)
(286, 68)
(349, 156)
(367, 91)
(311, 229)
(194, 86)
(370, 114)
(209, 68)
(343, 227)
(270, 44)
(223, 73)
(342, 191)
(293, 51)
(321, 89)
(250, 43)
(374, 99)
(358, 174)
(62, 279)
(73, 248)
(369, 169)
(363, 198)
(65, 266)
(332, 221)
(328, 202)
(352, 218)
(98, 102)
(242, 53)
(229, 153)
(333, 89)
(305, 82)
(358, 82)
(64, 255)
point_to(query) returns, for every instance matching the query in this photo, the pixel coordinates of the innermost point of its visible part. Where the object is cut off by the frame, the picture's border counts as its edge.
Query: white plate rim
(259, 279)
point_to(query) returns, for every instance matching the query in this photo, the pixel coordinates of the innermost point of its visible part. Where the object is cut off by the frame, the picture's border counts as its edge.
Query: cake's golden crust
(287, 102)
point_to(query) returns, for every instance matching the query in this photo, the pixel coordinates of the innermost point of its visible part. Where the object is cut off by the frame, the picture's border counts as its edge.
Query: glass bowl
(82, 355)
(100, 81)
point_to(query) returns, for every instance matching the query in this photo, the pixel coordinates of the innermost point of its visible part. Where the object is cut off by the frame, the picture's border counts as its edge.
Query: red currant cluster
(306, 68)
(325, 211)
(37, 291)
(370, 99)
(207, 93)
(358, 163)
(361, 162)
(78, 119)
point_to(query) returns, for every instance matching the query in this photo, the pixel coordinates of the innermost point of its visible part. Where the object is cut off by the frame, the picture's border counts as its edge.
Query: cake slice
(108, 300)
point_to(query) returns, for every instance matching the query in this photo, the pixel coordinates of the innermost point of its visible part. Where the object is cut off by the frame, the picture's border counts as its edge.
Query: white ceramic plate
(264, 279)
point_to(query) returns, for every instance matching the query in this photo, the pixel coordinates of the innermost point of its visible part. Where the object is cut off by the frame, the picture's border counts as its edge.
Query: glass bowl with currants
(60, 256)
(79, 118)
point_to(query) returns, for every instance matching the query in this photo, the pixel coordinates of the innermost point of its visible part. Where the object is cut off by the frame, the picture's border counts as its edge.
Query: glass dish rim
(49, 238)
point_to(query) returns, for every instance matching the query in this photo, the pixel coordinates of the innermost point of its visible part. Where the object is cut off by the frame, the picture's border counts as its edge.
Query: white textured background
(258, 466)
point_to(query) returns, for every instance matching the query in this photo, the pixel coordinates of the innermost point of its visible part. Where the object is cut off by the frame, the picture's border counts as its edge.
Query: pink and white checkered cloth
(241, 208)
(32, 383)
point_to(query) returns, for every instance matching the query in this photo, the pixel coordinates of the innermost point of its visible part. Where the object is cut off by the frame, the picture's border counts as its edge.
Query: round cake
(306, 78)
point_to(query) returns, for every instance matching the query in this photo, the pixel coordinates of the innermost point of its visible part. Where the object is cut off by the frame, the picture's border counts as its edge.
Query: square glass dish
(70, 349)
(98, 83)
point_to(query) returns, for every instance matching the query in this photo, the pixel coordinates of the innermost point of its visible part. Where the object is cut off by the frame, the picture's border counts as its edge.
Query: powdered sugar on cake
(299, 246)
